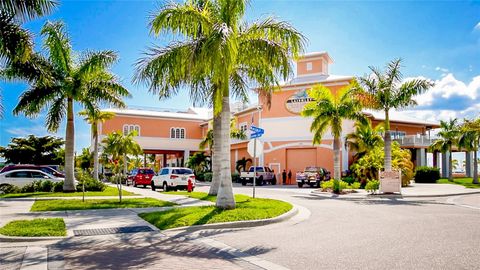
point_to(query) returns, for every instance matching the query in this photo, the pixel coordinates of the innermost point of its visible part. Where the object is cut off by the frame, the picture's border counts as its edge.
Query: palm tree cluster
(218, 56)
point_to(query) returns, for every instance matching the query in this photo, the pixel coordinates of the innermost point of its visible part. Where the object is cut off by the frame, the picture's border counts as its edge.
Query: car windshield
(259, 169)
(182, 171)
(312, 169)
(147, 171)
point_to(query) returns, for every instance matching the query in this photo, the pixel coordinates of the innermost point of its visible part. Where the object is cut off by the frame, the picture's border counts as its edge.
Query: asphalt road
(328, 233)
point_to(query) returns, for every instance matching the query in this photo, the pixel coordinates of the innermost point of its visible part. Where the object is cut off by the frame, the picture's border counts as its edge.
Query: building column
(344, 156)
(186, 156)
(164, 160)
(421, 157)
(445, 156)
(469, 164)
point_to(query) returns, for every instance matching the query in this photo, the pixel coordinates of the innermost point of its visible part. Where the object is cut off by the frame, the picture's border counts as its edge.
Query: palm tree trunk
(336, 159)
(225, 199)
(95, 150)
(217, 126)
(475, 165)
(450, 164)
(69, 185)
(388, 145)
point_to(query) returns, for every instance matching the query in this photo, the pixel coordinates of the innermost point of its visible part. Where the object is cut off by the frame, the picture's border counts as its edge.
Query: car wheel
(244, 182)
(317, 185)
(260, 181)
(300, 185)
(165, 187)
(153, 185)
(312, 185)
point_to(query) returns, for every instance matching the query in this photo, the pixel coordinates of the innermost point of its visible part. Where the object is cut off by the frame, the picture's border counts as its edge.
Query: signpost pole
(254, 164)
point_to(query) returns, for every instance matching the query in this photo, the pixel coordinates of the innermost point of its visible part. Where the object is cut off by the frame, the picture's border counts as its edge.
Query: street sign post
(256, 133)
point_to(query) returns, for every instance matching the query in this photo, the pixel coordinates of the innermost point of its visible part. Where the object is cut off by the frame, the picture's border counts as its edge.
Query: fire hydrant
(190, 185)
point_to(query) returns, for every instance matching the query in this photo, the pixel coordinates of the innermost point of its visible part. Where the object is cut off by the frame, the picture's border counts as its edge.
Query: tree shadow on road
(375, 201)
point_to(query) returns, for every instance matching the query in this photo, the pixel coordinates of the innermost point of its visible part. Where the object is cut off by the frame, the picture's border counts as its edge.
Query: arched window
(177, 133)
(172, 133)
(125, 129)
(129, 128)
(182, 133)
(137, 129)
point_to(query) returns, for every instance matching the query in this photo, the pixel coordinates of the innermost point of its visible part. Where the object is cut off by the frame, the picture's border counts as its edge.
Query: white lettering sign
(297, 101)
(390, 181)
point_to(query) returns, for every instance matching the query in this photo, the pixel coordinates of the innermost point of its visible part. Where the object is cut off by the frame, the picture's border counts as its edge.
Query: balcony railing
(422, 141)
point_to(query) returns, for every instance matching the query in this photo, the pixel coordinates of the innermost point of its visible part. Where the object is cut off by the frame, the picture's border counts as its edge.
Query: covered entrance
(298, 159)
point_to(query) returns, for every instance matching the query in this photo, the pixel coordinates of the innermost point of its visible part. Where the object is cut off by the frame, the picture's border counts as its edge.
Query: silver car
(21, 178)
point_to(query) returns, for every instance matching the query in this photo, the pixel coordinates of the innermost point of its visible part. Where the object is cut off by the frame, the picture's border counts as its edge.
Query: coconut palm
(93, 115)
(64, 80)
(364, 138)
(385, 91)
(16, 43)
(242, 164)
(469, 139)
(218, 56)
(329, 111)
(235, 133)
(199, 162)
(448, 137)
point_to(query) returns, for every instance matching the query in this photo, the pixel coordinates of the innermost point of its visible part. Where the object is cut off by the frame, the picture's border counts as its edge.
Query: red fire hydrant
(190, 185)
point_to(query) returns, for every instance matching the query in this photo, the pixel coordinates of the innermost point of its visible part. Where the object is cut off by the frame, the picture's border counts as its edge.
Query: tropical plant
(364, 138)
(84, 161)
(329, 111)
(16, 43)
(135, 163)
(119, 146)
(447, 138)
(93, 115)
(242, 164)
(199, 162)
(62, 81)
(455, 164)
(385, 91)
(217, 56)
(470, 140)
(235, 133)
(33, 150)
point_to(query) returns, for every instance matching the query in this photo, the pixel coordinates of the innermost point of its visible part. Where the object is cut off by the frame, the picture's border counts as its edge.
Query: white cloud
(444, 70)
(477, 27)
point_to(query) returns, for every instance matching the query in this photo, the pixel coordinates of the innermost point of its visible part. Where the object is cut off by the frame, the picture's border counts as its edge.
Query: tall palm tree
(16, 43)
(329, 111)
(365, 138)
(93, 115)
(470, 140)
(65, 80)
(217, 56)
(448, 137)
(235, 133)
(385, 91)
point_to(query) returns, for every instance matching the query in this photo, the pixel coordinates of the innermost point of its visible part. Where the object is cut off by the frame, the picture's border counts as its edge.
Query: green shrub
(57, 186)
(236, 177)
(424, 174)
(355, 185)
(208, 176)
(46, 186)
(7, 188)
(90, 183)
(28, 188)
(200, 176)
(327, 185)
(349, 179)
(372, 186)
(335, 185)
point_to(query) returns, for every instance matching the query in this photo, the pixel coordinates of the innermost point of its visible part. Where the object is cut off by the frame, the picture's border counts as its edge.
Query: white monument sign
(390, 182)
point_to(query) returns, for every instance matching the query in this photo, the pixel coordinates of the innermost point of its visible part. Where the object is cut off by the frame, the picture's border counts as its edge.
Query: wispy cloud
(477, 27)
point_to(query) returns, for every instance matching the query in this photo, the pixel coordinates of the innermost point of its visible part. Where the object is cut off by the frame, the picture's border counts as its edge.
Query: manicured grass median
(247, 209)
(76, 204)
(196, 195)
(109, 191)
(466, 182)
(35, 227)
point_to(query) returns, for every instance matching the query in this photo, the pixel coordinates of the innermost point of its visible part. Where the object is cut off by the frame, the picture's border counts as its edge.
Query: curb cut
(239, 224)
(400, 196)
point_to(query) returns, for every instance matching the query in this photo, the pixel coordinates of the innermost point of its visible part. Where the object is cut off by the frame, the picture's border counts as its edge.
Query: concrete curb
(371, 196)
(239, 224)
(9, 239)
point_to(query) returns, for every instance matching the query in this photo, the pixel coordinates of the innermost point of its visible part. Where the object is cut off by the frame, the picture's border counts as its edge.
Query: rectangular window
(243, 127)
(309, 66)
(182, 133)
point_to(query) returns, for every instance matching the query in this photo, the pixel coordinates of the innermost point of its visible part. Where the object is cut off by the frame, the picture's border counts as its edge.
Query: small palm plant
(329, 110)
(448, 137)
(365, 138)
(470, 140)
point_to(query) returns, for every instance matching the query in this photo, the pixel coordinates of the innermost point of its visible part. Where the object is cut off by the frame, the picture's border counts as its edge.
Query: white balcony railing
(415, 141)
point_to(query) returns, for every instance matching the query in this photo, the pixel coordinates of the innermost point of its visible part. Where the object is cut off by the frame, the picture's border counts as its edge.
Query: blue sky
(437, 40)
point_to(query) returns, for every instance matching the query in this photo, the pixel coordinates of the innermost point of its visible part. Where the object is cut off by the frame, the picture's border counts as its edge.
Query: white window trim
(309, 66)
(178, 133)
(130, 128)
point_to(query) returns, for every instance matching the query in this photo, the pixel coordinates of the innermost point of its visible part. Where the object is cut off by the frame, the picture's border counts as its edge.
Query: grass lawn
(196, 195)
(247, 209)
(77, 204)
(466, 182)
(35, 227)
(109, 191)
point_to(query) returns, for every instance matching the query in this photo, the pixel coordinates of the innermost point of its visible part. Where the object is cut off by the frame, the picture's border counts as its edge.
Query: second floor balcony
(416, 141)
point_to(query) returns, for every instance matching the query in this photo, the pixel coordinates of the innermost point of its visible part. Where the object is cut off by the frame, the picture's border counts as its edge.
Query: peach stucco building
(287, 140)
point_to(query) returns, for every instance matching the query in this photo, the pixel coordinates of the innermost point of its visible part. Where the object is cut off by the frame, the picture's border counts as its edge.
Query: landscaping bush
(208, 176)
(236, 177)
(200, 176)
(424, 174)
(334, 185)
(46, 186)
(372, 186)
(90, 183)
(28, 188)
(57, 186)
(349, 179)
(355, 185)
(7, 189)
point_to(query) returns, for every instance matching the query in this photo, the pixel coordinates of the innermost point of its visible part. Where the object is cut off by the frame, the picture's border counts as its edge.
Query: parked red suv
(43, 168)
(140, 176)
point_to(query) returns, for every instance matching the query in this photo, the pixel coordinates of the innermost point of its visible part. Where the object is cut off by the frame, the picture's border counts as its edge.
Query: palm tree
(217, 56)
(386, 90)
(199, 162)
(119, 146)
(16, 43)
(455, 164)
(235, 133)
(470, 140)
(365, 138)
(94, 116)
(329, 110)
(65, 80)
(448, 137)
(242, 164)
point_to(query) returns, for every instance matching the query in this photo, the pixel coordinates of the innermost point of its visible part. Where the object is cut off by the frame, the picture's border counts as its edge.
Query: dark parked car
(43, 168)
(312, 176)
(140, 176)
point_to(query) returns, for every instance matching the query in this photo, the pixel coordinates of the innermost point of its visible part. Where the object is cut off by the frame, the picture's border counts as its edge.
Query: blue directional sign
(255, 135)
(256, 132)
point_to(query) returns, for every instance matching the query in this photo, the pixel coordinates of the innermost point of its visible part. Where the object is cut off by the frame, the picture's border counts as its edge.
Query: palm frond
(35, 98)
(93, 62)
(56, 113)
(57, 43)
(28, 9)
(16, 43)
